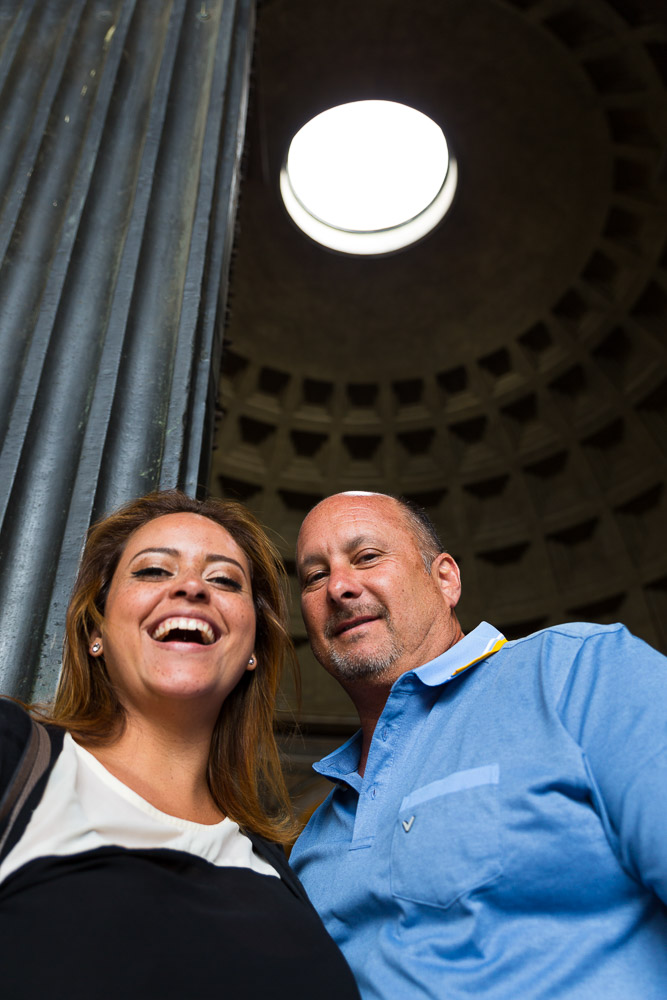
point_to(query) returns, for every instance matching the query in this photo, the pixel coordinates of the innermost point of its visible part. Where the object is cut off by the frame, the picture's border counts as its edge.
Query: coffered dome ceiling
(509, 372)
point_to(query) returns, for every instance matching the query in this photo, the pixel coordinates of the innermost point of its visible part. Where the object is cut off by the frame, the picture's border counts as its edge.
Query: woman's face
(179, 620)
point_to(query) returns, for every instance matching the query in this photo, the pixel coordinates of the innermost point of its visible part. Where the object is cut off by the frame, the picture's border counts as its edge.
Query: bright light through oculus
(368, 177)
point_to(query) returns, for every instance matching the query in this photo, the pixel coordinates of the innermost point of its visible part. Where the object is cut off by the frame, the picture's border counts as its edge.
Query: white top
(85, 807)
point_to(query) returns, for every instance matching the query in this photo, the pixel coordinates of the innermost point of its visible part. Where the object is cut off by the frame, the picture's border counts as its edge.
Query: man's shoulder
(577, 631)
(572, 640)
(580, 646)
(588, 651)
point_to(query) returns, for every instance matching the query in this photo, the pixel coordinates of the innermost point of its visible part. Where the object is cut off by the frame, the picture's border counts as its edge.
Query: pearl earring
(96, 647)
(251, 661)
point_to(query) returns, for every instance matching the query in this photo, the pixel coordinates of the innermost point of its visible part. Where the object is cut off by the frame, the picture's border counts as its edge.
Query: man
(498, 826)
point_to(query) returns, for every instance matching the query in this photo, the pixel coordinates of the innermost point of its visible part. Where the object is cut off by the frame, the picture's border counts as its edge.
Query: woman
(143, 864)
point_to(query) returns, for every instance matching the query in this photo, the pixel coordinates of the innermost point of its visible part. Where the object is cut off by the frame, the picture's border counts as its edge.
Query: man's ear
(447, 575)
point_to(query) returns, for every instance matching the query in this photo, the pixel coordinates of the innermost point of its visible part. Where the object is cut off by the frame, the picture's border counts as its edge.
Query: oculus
(369, 177)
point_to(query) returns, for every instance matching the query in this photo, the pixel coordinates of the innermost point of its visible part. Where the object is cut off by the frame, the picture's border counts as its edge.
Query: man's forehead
(346, 517)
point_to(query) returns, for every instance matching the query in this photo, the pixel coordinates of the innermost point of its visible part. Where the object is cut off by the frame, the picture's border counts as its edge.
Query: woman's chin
(190, 688)
(179, 678)
(183, 689)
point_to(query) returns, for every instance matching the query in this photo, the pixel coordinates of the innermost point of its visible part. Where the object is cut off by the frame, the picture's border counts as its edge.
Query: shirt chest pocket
(446, 838)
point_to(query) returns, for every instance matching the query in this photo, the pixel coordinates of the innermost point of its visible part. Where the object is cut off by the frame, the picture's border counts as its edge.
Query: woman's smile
(184, 629)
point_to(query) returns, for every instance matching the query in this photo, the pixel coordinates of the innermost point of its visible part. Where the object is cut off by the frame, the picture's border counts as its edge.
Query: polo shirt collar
(473, 647)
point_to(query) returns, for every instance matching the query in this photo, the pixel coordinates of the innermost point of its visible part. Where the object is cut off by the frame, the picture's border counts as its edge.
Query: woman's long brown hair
(244, 772)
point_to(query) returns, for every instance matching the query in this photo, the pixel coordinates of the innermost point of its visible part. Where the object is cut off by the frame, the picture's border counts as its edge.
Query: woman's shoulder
(27, 753)
(12, 713)
(15, 730)
(17, 722)
(20, 737)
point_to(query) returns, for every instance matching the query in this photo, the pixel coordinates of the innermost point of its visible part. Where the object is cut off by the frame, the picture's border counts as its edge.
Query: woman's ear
(95, 647)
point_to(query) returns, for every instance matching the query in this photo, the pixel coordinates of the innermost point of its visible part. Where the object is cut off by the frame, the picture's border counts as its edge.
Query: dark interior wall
(509, 372)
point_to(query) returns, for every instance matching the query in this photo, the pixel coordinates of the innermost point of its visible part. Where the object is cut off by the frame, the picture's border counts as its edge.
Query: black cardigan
(156, 922)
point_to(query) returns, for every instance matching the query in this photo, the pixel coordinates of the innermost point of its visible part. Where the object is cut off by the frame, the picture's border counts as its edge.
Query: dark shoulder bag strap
(33, 765)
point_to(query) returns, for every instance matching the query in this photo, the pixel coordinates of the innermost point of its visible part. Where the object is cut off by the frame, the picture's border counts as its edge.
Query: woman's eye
(150, 571)
(226, 581)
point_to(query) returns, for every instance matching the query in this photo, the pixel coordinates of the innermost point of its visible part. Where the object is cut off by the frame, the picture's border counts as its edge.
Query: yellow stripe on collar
(494, 649)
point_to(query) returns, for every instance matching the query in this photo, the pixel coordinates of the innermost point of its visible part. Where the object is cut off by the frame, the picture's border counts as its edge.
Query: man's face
(370, 607)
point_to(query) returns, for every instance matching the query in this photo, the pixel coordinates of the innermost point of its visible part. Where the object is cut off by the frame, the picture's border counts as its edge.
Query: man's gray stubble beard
(350, 665)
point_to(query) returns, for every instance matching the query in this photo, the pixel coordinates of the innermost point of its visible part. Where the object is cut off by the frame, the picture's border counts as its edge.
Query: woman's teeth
(184, 625)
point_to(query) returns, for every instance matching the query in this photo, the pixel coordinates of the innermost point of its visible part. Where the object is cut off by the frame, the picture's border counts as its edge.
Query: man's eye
(367, 556)
(151, 571)
(314, 577)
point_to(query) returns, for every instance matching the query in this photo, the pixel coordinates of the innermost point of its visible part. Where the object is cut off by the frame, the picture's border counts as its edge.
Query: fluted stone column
(121, 130)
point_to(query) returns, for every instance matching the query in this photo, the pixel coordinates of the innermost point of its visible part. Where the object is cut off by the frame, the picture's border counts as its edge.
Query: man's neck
(370, 696)
(369, 703)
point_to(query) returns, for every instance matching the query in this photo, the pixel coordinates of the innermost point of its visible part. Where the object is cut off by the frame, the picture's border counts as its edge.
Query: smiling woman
(179, 619)
(149, 836)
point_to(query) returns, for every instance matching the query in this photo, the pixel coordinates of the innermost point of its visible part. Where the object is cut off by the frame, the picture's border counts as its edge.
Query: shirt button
(373, 792)
(385, 733)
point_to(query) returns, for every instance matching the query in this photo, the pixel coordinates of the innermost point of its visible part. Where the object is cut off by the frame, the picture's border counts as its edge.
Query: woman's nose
(190, 586)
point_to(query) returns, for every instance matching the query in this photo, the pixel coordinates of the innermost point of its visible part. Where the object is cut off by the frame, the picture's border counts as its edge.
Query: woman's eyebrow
(164, 551)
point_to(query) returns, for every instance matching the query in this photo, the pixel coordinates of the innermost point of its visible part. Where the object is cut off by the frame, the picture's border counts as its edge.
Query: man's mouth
(352, 623)
(184, 630)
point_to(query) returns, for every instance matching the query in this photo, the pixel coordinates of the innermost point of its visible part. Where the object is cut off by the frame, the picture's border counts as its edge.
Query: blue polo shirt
(509, 837)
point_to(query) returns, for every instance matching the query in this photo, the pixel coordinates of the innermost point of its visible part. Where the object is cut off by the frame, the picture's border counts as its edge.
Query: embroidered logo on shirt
(407, 824)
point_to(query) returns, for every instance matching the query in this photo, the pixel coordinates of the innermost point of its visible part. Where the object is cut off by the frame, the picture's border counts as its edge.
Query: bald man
(498, 825)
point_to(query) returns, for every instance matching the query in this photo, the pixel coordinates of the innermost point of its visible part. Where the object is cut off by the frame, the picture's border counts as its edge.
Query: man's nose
(343, 585)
